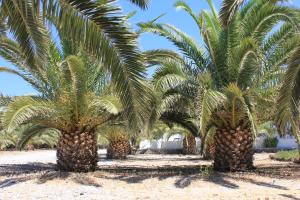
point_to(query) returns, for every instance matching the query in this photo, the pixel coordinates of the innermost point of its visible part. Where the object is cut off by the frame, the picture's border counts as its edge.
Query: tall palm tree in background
(168, 114)
(186, 94)
(245, 58)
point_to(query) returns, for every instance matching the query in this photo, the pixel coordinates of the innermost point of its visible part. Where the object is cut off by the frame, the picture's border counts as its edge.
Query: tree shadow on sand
(288, 196)
(80, 178)
(19, 173)
(185, 181)
(184, 175)
(181, 182)
(237, 177)
(227, 180)
(148, 159)
(41, 173)
(19, 169)
(128, 178)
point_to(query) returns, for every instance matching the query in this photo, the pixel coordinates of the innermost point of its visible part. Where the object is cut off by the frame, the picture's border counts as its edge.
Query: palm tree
(288, 98)
(73, 109)
(118, 138)
(69, 88)
(188, 97)
(243, 55)
(165, 113)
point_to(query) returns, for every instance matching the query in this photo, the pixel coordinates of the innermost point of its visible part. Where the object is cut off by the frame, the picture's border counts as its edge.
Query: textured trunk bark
(77, 152)
(202, 145)
(209, 151)
(118, 149)
(297, 136)
(233, 150)
(189, 144)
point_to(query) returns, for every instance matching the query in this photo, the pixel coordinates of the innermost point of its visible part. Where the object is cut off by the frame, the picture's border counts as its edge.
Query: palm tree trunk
(118, 149)
(209, 151)
(189, 144)
(297, 136)
(233, 150)
(77, 152)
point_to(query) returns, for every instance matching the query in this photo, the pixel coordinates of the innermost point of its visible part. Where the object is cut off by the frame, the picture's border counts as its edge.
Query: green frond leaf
(24, 109)
(28, 29)
(105, 104)
(31, 131)
(228, 10)
(143, 4)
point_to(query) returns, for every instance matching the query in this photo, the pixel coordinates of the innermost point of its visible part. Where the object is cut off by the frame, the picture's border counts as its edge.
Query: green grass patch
(292, 155)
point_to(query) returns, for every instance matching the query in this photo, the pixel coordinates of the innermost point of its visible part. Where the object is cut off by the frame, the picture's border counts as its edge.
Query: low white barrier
(171, 145)
(285, 142)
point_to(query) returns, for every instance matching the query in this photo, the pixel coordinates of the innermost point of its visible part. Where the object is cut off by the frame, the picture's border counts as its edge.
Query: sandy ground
(31, 175)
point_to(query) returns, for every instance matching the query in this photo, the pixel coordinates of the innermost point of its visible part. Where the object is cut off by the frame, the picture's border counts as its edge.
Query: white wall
(171, 145)
(285, 142)
(175, 142)
(258, 143)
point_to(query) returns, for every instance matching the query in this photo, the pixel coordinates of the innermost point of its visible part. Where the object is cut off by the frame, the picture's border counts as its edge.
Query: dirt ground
(32, 175)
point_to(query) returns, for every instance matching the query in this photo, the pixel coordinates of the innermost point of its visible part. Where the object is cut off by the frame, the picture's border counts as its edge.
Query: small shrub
(286, 155)
(270, 142)
(206, 172)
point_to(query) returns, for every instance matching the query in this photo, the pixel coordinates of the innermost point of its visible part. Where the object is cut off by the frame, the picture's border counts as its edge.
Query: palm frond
(7, 140)
(181, 119)
(28, 29)
(186, 44)
(239, 109)
(210, 101)
(170, 74)
(288, 100)
(277, 37)
(141, 3)
(24, 109)
(228, 10)
(154, 57)
(261, 20)
(77, 75)
(29, 132)
(180, 4)
(111, 42)
(105, 104)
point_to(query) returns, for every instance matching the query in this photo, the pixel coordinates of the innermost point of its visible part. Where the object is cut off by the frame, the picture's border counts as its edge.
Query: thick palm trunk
(298, 143)
(209, 151)
(233, 150)
(77, 152)
(118, 149)
(189, 144)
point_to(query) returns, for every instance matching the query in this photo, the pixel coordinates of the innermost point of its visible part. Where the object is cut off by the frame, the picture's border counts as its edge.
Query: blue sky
(12, 85)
